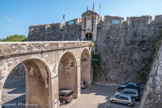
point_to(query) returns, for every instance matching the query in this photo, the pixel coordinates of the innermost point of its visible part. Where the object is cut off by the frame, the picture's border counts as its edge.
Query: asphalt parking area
(97, 96)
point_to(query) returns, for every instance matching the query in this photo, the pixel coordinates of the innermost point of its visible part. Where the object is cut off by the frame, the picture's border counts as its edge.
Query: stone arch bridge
(49, 66)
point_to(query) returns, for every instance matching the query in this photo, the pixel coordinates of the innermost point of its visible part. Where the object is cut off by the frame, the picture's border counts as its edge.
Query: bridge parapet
(8, 49)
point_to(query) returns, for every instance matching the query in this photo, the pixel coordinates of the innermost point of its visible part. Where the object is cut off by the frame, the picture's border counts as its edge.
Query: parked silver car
(129, 92)
(123, 99)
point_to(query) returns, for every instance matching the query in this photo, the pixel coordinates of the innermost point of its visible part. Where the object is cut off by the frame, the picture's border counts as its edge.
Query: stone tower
(90, 19)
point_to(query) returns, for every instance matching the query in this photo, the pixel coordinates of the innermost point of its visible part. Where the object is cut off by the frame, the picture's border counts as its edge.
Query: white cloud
(7, 18)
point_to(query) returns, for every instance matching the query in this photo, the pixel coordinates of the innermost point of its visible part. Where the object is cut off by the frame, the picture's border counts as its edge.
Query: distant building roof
(89, 12)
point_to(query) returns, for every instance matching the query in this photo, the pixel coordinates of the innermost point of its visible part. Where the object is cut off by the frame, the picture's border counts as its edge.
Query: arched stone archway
(67, 73)
(37, 84)
(85, 67)
(89, 36)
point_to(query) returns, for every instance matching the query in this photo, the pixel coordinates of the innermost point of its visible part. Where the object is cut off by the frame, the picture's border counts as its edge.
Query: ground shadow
(18, 86)
(108, 92)
(18, 102)
(14, 93)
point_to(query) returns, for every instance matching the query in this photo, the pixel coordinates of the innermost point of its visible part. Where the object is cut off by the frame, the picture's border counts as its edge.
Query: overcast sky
(17, 15)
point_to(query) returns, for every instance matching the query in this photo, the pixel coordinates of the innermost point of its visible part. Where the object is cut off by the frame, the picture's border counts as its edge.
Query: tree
(14, 38)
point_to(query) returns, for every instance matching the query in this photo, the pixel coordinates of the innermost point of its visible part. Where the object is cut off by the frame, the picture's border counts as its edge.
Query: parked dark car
(65, 95)
(83, 84)
(129, 86)
(123, 99)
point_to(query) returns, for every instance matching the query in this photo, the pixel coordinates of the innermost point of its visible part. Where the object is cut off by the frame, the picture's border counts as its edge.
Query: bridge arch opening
(32, 90)
(85, 67)
(67, 74)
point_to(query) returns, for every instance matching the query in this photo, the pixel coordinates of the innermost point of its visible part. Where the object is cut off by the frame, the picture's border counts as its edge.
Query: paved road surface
(96, 97)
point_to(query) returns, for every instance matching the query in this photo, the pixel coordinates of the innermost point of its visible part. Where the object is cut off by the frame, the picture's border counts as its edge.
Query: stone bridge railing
(10, 49)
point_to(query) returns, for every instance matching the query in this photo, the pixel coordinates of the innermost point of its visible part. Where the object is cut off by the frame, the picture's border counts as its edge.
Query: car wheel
(64, 101)
(113, 101)
(129, 105)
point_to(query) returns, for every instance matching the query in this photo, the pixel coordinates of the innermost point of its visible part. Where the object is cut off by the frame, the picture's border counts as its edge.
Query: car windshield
(131, 84)
(117, 96)
(130, 87)
(130, 92)
(125, 98)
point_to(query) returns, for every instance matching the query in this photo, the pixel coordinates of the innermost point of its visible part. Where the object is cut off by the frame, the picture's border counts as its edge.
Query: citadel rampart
(158, 19)
(70, 30)
(126, 49)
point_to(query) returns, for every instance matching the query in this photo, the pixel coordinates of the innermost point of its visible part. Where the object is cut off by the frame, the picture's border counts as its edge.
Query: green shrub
(96, 59)
(14, 38)
(96, 64)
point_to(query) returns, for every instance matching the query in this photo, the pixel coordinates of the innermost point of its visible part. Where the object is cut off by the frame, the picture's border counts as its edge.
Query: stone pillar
(55, 92)
(78, 77)
(36, 92)
(86, 71)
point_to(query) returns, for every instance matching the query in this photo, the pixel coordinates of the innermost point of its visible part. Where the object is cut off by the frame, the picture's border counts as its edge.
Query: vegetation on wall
(96, 59)
(144, 72)
(96, 64)
(14, 38)
(92, 44)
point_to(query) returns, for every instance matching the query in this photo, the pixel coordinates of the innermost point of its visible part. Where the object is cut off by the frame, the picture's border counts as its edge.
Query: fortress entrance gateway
(89, 36)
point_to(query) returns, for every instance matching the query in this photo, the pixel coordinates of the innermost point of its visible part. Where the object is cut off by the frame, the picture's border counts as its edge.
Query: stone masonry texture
(55, 32)
(126, 50)
(152, 97)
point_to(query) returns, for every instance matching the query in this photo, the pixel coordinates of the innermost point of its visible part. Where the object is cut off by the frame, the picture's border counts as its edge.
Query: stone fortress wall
(56, 32)
(126, 48)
